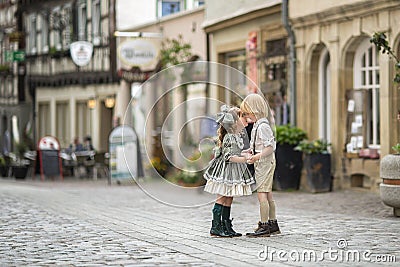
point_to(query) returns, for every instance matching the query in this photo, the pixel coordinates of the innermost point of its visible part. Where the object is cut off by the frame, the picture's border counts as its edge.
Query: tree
(379, 39)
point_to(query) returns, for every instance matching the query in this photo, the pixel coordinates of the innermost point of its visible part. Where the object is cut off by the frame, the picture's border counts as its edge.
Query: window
(82, 15)
(96, 18)
(44, 30)
(62, 130)
(324, 102)
(236, 83)
(366, 77)
(199, 3)
(44, 119)
(66, 27)
(169, 7)
(82, 119)
(32, 34)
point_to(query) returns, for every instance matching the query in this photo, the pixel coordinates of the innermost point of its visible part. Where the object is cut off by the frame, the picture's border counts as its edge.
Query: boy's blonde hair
(255, 104)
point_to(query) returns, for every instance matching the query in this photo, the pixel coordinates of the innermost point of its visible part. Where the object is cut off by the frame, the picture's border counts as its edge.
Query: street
(89, 223)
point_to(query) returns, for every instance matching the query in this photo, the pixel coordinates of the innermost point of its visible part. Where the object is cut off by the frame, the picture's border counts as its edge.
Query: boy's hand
(252, 159)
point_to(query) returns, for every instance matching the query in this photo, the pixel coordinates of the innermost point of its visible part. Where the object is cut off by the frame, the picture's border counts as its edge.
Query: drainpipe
(292, 61)
(207, 108)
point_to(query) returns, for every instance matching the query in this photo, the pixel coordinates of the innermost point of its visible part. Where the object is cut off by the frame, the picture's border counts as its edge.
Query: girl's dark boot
(217, 228)
(227, 222)
(228, 226)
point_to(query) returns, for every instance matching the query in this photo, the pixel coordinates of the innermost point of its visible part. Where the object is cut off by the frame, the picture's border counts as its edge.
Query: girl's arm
(237, 159)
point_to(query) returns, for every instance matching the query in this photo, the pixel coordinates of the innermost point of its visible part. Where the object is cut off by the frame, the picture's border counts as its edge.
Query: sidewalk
(88, 223)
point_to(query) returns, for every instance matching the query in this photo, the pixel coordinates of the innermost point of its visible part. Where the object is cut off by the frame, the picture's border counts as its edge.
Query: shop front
(345, 85)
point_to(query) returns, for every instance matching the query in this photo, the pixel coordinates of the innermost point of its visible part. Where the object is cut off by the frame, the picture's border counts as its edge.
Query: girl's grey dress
(228, 178)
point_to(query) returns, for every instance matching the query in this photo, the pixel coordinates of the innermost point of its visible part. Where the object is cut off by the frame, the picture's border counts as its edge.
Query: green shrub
(318, 146)
(287, 134)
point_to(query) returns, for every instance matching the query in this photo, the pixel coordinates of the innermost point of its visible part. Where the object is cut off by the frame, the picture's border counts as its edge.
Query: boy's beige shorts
(264, 173)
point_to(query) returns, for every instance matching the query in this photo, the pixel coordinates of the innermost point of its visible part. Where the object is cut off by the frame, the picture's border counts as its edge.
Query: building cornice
(241, 16)
(166, 19)
(344, 13)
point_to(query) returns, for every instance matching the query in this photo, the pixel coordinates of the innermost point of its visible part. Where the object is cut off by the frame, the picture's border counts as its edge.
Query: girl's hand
(253, 159)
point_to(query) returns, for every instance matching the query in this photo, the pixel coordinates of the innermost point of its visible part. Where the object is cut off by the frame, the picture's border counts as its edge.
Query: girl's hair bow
(224, 117)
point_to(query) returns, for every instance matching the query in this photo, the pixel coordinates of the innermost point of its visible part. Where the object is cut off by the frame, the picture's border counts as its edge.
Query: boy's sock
(272, 214)
(226, 212)
(264, 211)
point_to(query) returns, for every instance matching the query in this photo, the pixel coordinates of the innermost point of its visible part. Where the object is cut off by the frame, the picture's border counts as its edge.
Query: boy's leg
(263, 227)
(264, 206)
(272, 222)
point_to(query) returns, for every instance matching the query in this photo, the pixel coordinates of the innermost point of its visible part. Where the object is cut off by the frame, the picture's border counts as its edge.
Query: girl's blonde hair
(225, 128)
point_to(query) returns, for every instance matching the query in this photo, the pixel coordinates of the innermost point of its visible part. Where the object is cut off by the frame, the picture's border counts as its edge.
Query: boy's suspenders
(255, 137)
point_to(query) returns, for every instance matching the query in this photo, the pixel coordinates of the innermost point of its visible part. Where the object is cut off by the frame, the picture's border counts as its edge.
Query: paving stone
(92, 224)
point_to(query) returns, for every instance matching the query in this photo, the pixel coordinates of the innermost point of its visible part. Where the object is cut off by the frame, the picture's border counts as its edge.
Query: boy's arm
(265, 152)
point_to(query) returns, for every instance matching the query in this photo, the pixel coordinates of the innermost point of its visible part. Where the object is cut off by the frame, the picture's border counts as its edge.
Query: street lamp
(91, 103)
(109, 102)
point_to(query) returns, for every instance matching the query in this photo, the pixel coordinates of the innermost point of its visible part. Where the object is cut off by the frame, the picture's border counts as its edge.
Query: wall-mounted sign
(81, 52)
(141, 53)
(135, 74)
(17, 56)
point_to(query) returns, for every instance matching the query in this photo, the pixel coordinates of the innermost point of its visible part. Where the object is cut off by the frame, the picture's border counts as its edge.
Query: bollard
(390, 187)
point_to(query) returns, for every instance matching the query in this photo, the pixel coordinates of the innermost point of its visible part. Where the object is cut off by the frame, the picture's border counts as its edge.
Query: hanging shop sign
(81, 52)
(139, 52)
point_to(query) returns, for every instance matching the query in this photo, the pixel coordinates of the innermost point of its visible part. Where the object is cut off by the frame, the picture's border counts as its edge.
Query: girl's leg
(216, 228)
(226, 208)
(226, 214)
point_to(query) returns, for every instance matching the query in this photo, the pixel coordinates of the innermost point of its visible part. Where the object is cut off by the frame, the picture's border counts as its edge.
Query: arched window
(324, 102)
(366, 77)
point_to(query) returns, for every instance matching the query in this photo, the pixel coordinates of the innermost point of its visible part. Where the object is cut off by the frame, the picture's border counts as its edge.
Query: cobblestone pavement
(87, 223)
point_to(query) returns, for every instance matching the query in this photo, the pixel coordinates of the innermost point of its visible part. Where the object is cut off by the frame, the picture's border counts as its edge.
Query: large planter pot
(390, 187)
(289, 163)
(318, 172)
(3, 171)
(20, 172)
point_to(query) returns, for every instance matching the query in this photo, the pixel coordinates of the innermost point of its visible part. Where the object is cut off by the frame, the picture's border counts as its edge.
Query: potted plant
(192, 174)
(289, 162)
(390, 174)
(19, 164)
(3, 166)
(317, 163)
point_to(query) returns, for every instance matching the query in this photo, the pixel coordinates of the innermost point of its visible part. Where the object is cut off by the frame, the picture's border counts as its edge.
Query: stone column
(122, 103)
(53, 116)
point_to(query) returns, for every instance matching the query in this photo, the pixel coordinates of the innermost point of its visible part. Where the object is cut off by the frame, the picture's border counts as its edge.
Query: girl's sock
(226, 212)
(264, 211)
(272, 215)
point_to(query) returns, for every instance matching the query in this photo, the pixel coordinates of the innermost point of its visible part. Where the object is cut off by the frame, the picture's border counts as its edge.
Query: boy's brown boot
(273, 227)
(261, 231)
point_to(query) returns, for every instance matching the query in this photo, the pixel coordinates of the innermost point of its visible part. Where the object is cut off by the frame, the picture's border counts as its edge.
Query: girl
(262, 146)
(227, 174)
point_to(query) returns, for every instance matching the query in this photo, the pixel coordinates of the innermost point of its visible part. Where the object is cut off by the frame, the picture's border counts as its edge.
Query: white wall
(131, 13)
